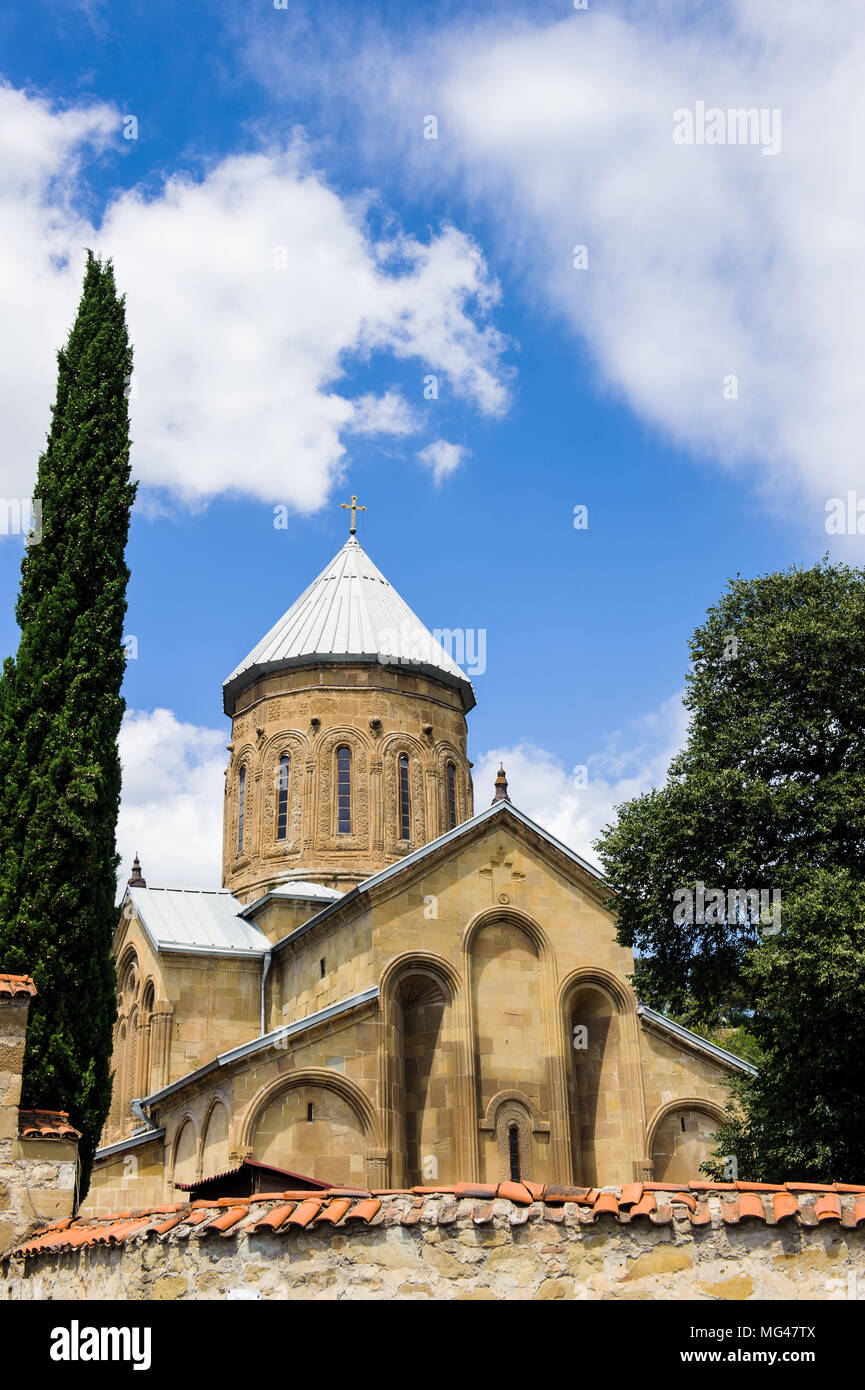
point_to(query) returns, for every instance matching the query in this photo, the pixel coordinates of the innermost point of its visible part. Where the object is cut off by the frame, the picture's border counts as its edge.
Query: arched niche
(603, 1127)
(509, 1027)
(681, 1138)
(186, 1152)
(423, 1077)
(315, 1124)
(214, 1143)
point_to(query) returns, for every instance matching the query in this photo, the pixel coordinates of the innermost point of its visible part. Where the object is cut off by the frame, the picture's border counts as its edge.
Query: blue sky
(298, 134)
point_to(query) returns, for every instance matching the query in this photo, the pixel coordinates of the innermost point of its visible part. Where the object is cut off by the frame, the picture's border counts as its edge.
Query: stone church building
(390, 989)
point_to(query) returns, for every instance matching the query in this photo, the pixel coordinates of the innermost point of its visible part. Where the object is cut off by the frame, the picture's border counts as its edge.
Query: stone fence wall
(445, 1245)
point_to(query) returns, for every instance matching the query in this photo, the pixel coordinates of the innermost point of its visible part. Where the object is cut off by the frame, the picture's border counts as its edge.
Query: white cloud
(575, 804)
(171, 801)
(442, 458)
(250, 293)
(704, 262)
(389, 413)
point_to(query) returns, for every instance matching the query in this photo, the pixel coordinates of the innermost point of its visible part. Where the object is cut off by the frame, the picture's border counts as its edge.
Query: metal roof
(301, 890)
(693, 1040)
(195, 920)
(349, 613)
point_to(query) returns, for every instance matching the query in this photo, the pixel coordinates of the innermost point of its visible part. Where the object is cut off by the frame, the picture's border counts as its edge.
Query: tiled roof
(16, 986)
(469, 1204)
(46, 1124)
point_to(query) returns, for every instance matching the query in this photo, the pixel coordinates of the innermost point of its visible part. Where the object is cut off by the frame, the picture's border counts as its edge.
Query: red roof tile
(16, 987)
(46, 1124)
(268, 1213)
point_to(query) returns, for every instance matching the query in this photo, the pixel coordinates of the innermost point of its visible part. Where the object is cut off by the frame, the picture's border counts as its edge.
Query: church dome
(350, 613)
(348, 738)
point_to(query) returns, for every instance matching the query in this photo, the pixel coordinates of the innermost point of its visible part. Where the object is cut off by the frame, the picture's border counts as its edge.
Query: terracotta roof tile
(46, 1124)
(475, 1203)
(365, 1210)
(632, 1193)
(856, 1216)
(606, 1205)
(305, 1211)
(226, 1219)
(828, 1208)
(17, 987)
(334, 1210)
(751, 1206)
(785, 1206)
(273, 1219)
(515, 1192)
(475, 1189)
(646, 1205)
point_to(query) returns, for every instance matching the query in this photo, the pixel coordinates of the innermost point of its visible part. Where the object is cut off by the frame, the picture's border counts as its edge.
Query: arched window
(282, 797)
(404, 799)
(452, 796)
(514, 1150)
(343, 791)
(241, 807)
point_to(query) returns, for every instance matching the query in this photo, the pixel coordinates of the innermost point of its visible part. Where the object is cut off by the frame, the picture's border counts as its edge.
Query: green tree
(60, 714)
(768, 794)
(769, 788)
(802, 1118)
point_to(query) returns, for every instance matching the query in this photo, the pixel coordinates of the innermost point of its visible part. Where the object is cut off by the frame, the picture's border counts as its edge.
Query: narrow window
(282, 797)
(310, 1113)
(514, 1151)
(241, 808)
(404, 805)
(343, 791)
(452, 796)
(322, 967)
(683, 1124)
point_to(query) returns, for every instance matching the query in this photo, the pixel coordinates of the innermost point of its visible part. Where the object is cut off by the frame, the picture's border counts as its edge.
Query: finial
(501, 787)
(352, 507)
(137, 879)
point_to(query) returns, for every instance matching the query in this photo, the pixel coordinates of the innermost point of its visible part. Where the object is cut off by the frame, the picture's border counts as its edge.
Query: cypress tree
(60, 714)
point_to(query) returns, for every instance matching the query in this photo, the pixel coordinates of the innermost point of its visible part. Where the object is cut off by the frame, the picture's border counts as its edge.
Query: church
(391, 988)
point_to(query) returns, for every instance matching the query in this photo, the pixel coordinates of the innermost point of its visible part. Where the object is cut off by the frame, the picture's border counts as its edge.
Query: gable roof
(499, 811)
(350, 612)
(196, 921)
(677, 1033)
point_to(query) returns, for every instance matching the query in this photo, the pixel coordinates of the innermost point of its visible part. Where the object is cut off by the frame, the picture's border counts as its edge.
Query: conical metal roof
(349, 613)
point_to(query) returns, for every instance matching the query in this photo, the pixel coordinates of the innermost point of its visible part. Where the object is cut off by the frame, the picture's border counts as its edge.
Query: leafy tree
(802, 1116)
(769, 788)
(60, 713)
(769, 793)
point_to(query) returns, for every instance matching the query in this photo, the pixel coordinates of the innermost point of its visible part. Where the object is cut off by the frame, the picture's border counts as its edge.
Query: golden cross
(352, 507)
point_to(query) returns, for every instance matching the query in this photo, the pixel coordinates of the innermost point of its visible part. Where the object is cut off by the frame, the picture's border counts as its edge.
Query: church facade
(389, 990)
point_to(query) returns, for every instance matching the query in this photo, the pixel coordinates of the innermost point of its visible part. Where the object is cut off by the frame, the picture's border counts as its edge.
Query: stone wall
(38, 1169)
(436, 1248)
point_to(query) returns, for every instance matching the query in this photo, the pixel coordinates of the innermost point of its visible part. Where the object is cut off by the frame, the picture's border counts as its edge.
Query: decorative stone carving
(504, 878)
